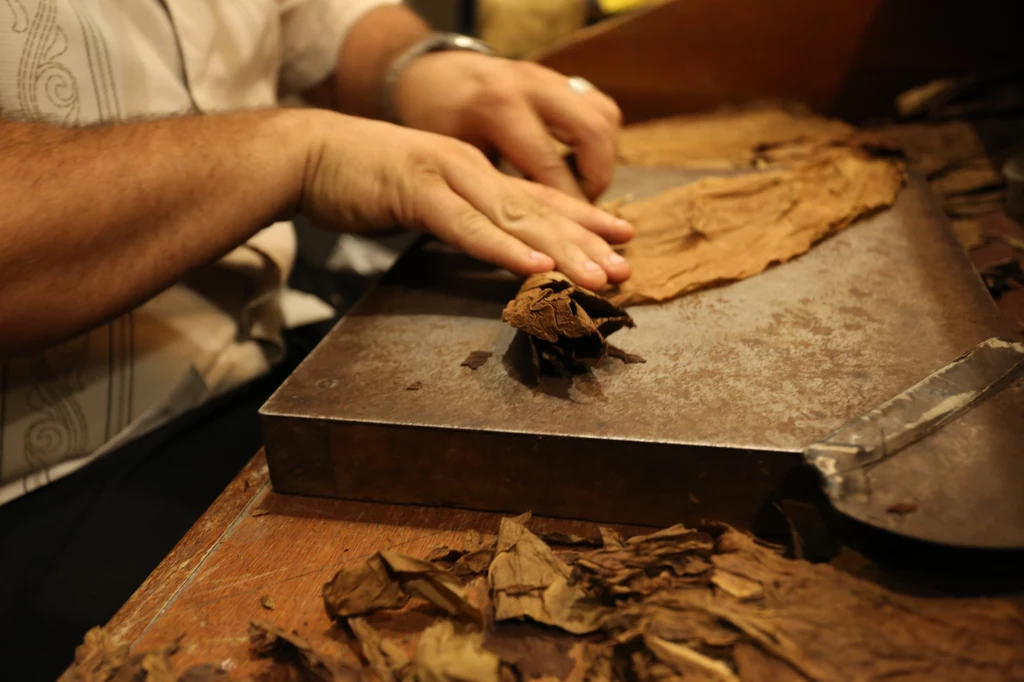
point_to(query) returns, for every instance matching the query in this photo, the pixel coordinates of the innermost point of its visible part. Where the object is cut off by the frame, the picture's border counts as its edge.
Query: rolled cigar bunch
(566, 323)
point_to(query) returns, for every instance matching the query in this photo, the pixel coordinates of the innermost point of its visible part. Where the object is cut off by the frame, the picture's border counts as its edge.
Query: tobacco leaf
(690, 664)
(723, 229)
(611, 538)
(426, 581)
(96, 658)
(267, 602)
(527, 580)
(474, 563)
(728, 139)
(385, 658)
(533, 650)
(290, 650)
(565, 322)
(443, 655)
(476, 359)
(362, 589)
(637, 566)
(102, 659)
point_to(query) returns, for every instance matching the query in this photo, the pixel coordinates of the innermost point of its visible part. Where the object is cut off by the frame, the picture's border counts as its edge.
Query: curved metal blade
(853, 460)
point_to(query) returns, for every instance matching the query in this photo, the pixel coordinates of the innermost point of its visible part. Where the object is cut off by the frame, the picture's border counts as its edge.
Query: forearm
(95, 221)
(372, 44)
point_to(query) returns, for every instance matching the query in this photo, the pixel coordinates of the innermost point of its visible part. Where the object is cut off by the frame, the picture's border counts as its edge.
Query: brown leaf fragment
(722, 229)
(473, 541)
(102, 659)
(426, 581)
(474, 563)
(415, 386)
(527, 580)
(385, 658)
(523, 518)
(627, 358)
(96, 658)
(736, 585)
(259, 511)
(444, 655)
(566, 323)
(289, 649)
(611, 538)
(687, 662)
(902, 508)
(365, 588)
(533, 650)
(476, 359)
(267, 602)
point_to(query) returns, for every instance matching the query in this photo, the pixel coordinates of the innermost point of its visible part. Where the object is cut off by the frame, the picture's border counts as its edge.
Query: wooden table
(210, 586)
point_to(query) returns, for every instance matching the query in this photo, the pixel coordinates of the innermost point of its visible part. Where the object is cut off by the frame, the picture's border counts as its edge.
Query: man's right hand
(362, 174)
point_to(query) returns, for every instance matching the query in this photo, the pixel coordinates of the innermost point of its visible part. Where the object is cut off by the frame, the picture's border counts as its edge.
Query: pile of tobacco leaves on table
(694, 604)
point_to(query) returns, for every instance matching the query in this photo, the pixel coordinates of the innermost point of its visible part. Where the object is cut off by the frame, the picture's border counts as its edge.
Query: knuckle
(513, 211)
(470, 226)
(493, 96)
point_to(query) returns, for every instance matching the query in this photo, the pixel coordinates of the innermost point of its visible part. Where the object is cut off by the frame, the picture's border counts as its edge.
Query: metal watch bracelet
(437, 42)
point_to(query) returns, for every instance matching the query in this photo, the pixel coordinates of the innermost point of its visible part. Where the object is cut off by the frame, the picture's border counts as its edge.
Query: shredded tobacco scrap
(102, 659)
(566, 323)
(291, 651)
(476, 359)
(709, 604)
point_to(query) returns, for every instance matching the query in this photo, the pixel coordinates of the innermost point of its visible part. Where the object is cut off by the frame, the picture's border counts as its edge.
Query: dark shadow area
(911, 42)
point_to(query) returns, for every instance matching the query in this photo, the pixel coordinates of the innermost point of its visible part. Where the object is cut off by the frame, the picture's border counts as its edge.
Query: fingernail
(615, 259)
(622, 223)
(537, 255)
(591, 266)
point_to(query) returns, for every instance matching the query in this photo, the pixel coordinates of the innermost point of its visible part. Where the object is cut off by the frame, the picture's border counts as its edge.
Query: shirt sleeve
(312, 33)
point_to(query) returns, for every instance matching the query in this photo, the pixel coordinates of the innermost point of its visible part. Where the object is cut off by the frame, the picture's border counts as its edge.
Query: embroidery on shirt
(61, 430)
(47, 89)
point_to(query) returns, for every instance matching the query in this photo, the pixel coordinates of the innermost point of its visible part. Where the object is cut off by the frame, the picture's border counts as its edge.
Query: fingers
(456, 222)
(574, 119)
(514, 127)
(612, 229)
(577, 251)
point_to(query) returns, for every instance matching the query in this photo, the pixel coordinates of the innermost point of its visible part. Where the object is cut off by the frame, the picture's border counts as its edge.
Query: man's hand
(364, 174)
(515, 108)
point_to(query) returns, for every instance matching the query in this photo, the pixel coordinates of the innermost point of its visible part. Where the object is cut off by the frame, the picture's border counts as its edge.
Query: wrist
(431, 44)
(291, 143)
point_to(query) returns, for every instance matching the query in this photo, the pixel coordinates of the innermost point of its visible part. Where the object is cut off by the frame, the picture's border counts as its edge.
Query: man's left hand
(515, 108)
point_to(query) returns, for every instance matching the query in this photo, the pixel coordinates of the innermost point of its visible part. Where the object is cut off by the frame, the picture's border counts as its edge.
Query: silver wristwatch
(437, 42)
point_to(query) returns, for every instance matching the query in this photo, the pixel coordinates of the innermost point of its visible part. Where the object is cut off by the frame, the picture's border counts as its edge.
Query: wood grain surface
(209, 588)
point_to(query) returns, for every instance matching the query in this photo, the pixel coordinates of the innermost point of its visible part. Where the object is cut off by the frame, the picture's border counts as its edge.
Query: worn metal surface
(738, 381)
